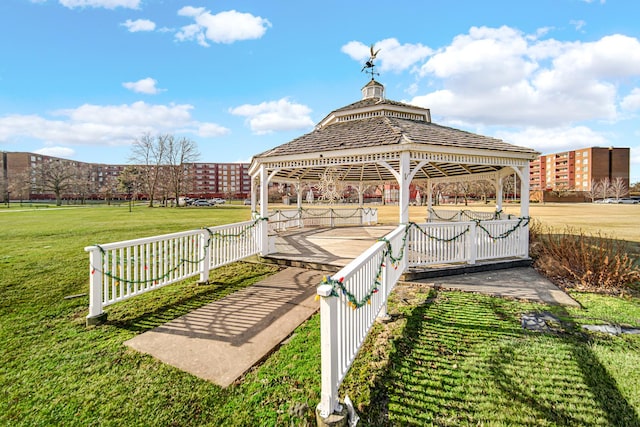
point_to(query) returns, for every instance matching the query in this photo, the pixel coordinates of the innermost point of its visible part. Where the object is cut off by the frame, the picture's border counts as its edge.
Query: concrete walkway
(222, 340)
(523, 283)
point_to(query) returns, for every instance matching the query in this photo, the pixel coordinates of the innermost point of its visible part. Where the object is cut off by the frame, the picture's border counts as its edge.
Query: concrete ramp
(222, 340)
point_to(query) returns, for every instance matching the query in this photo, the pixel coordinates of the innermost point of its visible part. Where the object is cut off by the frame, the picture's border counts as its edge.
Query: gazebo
(380, 140)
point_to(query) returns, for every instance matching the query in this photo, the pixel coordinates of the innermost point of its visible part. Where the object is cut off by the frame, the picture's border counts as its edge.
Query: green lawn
(446, 358)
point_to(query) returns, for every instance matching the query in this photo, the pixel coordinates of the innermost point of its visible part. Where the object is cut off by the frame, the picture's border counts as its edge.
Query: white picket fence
(351, 301)
(467, 242)
(281, 220)
(122, 270)
(464, 215)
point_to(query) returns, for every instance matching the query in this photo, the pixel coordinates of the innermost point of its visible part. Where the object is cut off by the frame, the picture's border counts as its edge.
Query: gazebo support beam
(404, 181)
(264, 210)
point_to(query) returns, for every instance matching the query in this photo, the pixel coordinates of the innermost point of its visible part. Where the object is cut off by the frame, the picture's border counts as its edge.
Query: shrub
(587, 262)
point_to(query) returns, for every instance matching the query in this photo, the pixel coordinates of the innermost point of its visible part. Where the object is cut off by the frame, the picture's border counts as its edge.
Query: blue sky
(82, 79)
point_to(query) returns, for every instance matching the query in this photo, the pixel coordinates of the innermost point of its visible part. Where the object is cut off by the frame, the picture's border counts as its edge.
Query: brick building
(17, 180)
(576, 170)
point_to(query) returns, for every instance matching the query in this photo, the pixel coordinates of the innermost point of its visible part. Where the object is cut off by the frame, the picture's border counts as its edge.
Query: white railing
(122, 270)
(467, 242)
(350, 303)
(464, 215)
(358, 293)
(281, 220)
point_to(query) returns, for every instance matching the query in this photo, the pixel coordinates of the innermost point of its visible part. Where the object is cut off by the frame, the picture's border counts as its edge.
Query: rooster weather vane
(369, 66)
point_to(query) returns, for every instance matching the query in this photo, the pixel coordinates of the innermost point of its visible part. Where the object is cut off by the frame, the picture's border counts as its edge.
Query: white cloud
(139, 25)
(578, 24)
(104, 125)
(208, 130)
(499, 76)
(147, 86)
(107, 4)
(64, 152)
(631, 102)
(273, 116)
(393, 56)
(552, 140)
(223, 27)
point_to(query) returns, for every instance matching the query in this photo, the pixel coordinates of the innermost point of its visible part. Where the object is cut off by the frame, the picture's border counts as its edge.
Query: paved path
(521, 283)
(222, 340)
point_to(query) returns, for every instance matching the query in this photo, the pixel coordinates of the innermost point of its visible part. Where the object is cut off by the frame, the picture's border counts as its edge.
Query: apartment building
(577, 170)
(17, 178)
(221, 180)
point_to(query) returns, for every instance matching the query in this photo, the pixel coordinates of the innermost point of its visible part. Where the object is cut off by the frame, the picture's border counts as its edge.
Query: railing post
(382, 314)
(328, 352)
(206, 241)
(524, 241)
(331, 220)
(96, 315)
(473, 242)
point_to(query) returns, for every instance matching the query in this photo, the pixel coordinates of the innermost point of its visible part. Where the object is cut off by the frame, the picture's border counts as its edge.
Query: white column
(403, 183)
(524, 206)
(264, 210)
(298, 186)
(429, 199)
(524, 191)
(499, 191)
(254, 191)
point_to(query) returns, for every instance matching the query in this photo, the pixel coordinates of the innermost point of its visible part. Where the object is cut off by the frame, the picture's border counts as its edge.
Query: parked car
(217, 201)
(201, 202)
(628, 201)
(607, 201)
(247, 202)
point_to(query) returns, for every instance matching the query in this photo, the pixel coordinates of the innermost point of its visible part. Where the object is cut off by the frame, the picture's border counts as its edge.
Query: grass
(446, 358)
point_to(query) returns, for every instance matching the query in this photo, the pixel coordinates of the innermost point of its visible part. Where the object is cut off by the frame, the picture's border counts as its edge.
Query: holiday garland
(155, 280)
(339, 288)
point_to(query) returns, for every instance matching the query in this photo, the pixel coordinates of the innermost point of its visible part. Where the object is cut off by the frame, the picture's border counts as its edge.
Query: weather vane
(369, 66)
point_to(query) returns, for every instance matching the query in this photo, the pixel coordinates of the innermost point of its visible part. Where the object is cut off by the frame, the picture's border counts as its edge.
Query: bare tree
(605, 188)
(463, 188)
(149, 153)
(484, 188)
(594, 191)
(109, 188)
(619, 188)
(82, 184)
(131, 181)
(55, 176)
(180, 153)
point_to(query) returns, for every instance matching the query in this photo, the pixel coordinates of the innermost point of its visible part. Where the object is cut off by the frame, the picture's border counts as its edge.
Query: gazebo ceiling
(363, 142)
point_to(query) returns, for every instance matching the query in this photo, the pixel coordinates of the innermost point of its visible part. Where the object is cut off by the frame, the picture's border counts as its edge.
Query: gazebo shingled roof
(375, 125)
(375, 139)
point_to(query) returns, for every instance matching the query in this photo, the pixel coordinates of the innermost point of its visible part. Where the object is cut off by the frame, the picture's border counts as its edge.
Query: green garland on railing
(338, 287)
(352, 301)
(433, 211)
(181, 262)
(318, 214)
(469, 214)
(218, 235)
(440, 239)
(521, 220)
